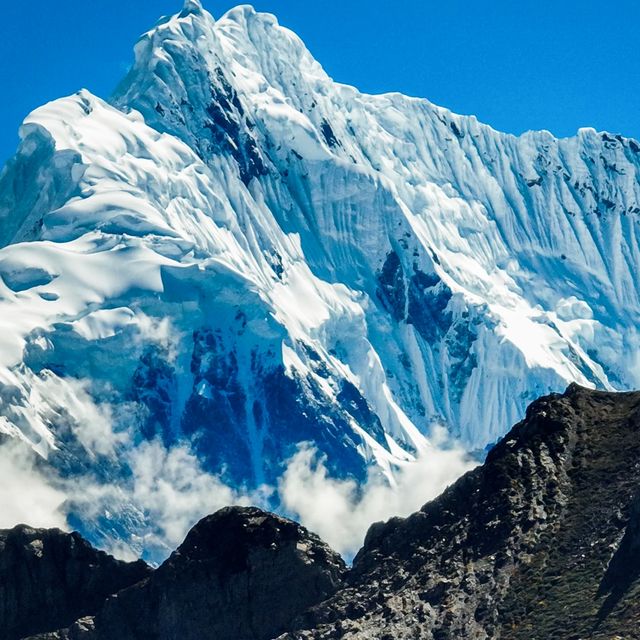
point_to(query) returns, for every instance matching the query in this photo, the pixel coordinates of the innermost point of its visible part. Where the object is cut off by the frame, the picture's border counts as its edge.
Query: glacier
(237, 252)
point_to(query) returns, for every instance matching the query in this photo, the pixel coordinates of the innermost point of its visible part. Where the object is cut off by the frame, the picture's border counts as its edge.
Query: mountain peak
(246, 10)
(191, 7)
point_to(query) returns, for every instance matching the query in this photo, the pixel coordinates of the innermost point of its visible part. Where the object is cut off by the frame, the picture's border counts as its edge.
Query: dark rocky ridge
(49, 578)
(539, 542)
(240, 574)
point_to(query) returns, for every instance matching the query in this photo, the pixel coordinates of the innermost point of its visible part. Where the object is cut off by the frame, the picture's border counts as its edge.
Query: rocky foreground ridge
(539, 542)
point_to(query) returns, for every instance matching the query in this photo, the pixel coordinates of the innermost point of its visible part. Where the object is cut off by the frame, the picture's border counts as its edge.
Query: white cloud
(167, 492)
(173, 488)
(340, 511)
(159, 331)
(26, 496)
(160, 492)
(68, 400)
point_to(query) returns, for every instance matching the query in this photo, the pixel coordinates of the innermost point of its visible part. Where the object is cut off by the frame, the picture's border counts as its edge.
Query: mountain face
(237, 252)
(539, 542)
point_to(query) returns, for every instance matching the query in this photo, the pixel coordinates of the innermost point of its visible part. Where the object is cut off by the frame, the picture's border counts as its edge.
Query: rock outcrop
(539, 542)
(240, 574)
(49, 578)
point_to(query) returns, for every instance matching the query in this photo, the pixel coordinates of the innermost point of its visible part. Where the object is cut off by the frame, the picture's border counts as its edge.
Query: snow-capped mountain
(237, 251)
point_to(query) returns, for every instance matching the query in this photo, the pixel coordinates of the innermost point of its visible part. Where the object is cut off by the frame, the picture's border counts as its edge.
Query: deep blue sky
(516, 64)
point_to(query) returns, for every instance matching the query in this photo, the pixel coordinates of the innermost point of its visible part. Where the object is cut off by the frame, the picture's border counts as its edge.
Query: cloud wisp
(165, 492)
(26, 495)
(341, 511)
(141, 498)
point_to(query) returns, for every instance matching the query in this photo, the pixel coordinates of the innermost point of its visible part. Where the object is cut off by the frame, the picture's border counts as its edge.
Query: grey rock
(539, 542)
(240, 574)
(49, 578)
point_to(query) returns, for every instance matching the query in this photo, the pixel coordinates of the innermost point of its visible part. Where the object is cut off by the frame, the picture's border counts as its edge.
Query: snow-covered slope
(238, 251)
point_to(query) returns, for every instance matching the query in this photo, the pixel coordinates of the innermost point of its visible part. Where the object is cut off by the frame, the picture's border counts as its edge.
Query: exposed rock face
(49, 578)
(241, 574)
(540, 542)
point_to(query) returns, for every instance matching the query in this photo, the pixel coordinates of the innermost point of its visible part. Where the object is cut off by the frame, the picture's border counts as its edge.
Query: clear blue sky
(517, 65)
